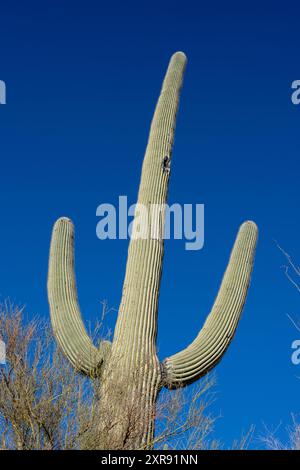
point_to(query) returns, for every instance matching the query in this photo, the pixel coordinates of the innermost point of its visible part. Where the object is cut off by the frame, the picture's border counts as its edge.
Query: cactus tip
(180, 55)
(250, 225)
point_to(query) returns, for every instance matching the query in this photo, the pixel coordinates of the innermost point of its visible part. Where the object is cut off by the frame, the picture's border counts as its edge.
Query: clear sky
(82, 81)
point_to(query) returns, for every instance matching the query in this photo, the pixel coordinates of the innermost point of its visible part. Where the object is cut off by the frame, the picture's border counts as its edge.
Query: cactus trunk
(131, 374)
(134, 347)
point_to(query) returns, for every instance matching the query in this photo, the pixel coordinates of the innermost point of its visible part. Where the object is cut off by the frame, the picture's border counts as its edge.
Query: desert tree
(46, 405)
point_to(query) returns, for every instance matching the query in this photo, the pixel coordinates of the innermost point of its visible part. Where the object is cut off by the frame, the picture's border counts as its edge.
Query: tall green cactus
(131, 373)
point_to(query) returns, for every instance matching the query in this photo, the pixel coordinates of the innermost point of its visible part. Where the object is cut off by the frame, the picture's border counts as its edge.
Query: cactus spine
(131, 373)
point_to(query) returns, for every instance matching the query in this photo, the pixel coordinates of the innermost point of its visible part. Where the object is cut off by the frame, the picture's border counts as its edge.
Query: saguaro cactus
(131, 372)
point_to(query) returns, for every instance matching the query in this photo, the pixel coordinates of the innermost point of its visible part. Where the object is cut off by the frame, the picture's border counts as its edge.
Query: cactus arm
(211, 343)
(66, 319)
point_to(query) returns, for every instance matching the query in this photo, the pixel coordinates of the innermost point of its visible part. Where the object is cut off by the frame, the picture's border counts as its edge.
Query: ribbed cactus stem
(138, 310)
(134, 345)
(218, 330)
(65, 312)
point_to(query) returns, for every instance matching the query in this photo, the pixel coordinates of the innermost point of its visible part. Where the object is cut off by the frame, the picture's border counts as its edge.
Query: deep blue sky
(82, 81)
